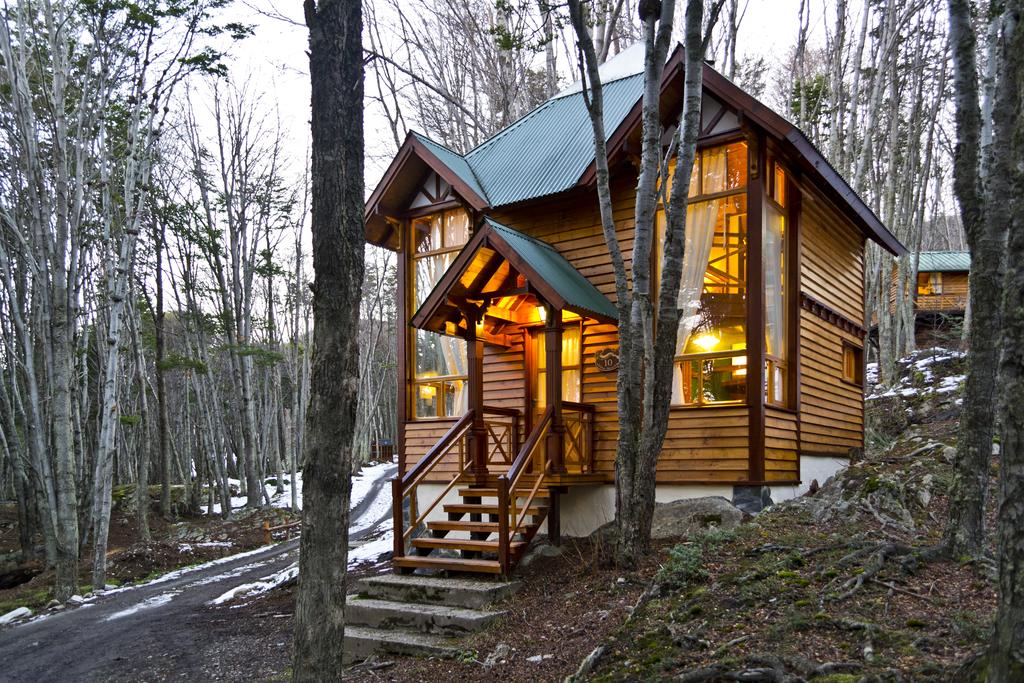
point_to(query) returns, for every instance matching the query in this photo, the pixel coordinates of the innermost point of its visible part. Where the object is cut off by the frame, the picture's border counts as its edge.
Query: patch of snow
(185, 571)
(13, 615)
(148, 603)
(951, 384)
(627, 63)
(257, 587)
(370, 551)
(362, 481)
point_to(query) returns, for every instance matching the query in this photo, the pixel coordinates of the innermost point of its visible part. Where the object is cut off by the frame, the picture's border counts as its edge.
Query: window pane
(542, 355)
(542, 390)
(429, 270)
(775, 281)
(427, 233)
(775, 381)
(439, 355)
(779, 185)
(736, 175)
(456, 228)
(571, 346)
(714, 168)
(571, 385)
(455, 397)
(428, 396)
(710, 380)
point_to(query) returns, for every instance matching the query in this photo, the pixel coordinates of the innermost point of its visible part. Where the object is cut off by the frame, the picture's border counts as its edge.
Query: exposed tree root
(881, 555)
(768, 669)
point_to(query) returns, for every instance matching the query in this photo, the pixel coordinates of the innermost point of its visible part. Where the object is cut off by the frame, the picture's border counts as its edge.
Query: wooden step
(490, 492)
(459, 525)
(471, 509)
(453, 564)
(462, 544)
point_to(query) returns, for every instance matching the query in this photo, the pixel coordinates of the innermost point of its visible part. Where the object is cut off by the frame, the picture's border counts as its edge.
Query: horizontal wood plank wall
(702, 445)
(832, 410)
(781, 445)
(953, 297)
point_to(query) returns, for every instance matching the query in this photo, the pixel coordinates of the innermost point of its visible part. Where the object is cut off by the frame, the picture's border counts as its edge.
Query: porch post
(476, 439)
(553, 348)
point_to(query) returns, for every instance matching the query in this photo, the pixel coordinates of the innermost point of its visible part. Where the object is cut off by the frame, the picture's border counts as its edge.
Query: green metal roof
(577, 291)
(944, 261)
(543, 153)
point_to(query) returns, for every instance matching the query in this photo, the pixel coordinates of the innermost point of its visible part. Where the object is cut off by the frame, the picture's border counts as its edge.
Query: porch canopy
(499, 282)
(494, 279)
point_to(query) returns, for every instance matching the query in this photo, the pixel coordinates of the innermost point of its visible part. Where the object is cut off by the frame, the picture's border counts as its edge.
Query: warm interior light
(451, 328)
(480, 326)
(427, 391)
(740, 372)
(706, 341)
(542, 313)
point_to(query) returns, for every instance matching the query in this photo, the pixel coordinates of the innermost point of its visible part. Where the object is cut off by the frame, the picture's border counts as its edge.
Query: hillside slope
(828, 587)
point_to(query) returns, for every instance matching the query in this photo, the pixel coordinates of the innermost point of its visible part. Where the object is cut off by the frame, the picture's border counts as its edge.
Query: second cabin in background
(507, 357)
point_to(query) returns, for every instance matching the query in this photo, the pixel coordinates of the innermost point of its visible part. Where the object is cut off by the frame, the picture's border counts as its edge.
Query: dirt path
(167, 620)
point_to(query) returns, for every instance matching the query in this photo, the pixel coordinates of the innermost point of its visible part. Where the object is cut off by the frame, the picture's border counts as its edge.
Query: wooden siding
(703, 444)
(831, 409)
(952, 299)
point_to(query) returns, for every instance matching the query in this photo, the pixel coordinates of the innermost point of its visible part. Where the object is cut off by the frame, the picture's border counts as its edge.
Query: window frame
(858, 355)
(415, 382)
(697, 178)
(779, 200)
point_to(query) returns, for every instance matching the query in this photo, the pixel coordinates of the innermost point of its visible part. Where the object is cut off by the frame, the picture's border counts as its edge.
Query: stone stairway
(418, 615)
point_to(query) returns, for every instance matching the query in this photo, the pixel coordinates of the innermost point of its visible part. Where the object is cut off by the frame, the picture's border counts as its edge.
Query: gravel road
(168, 619)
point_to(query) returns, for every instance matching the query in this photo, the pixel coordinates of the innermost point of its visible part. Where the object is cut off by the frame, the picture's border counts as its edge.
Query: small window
(853, 364)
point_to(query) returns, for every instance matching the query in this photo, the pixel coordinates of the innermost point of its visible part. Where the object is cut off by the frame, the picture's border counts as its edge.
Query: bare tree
(336, 78)
(646, 350)
(983, 210)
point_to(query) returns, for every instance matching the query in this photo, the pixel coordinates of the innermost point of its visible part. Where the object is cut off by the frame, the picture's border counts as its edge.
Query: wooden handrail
(498, 410)
(519, 463)
(419, 470)
(579, 407)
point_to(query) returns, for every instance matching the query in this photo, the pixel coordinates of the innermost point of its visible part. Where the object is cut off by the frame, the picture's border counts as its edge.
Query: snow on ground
(361, 483)
(148, 603)
(922, 379)
(262, 586)
(370, 551)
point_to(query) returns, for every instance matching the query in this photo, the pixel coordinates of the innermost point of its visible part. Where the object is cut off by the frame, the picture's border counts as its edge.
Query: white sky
(275, 60)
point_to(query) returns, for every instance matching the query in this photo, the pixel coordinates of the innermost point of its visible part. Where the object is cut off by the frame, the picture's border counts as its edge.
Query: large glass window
(572, 369)
(439, 372)
(775, 299)
(711, 361)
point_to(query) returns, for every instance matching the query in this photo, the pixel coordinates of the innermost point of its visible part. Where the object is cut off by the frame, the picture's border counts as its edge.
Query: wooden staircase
(470, 539)
(489, 530)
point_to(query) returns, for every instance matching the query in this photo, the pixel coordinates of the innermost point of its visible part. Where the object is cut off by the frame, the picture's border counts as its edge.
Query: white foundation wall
(587, 508)
(812, 467)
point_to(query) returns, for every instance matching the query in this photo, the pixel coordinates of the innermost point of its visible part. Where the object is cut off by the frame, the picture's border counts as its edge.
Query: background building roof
(944, 261)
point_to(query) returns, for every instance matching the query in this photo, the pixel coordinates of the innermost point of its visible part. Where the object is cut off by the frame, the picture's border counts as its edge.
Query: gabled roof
(944, 262)
(550, 150)
(476, 269)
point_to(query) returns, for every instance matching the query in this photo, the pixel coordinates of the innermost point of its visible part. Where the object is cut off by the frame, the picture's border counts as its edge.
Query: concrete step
(451, 592)
(417, 617)
(362, 641)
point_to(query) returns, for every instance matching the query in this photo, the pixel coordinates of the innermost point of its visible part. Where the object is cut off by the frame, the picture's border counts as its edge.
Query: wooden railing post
(504, 541)
(266, 532)
(397, 499)
(553, 348)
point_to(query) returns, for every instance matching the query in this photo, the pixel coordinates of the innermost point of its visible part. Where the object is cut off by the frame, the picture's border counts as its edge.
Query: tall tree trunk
(336, 79)
(964, 534)
(1006, 182)
(161, 379)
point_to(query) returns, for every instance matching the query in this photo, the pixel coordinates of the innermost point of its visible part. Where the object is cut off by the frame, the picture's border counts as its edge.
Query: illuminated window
(439, 372)
(929, 284)
(775, 299)
(572, 369)
(853, 363)
(711, 361)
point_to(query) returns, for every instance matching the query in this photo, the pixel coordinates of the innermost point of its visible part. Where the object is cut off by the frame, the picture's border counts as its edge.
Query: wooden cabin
(508, 421)
(942, 282)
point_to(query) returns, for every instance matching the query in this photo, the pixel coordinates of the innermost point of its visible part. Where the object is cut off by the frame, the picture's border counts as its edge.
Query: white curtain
(775, 312)
(700, 236)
